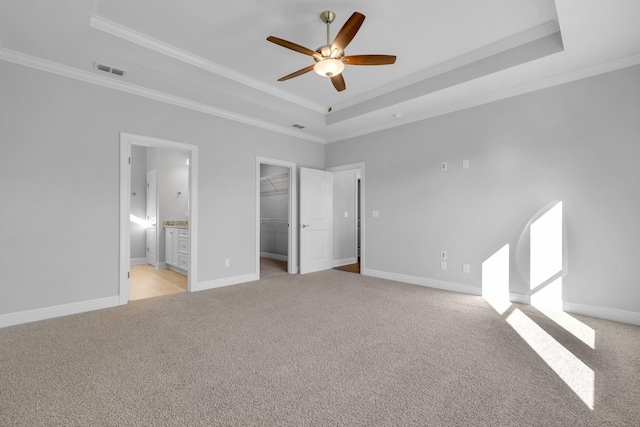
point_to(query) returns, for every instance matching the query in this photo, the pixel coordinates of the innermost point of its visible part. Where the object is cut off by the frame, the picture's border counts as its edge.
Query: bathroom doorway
(157, 247)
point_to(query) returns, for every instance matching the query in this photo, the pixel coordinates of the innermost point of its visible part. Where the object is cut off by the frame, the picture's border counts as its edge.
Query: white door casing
(152, 229)
(126, 140)
(316, 228)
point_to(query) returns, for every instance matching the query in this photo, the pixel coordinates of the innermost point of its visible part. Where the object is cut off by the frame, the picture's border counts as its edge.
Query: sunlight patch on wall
(137, 220)
(549, 297)
(495, 280)
(578, 376)
(546, 246)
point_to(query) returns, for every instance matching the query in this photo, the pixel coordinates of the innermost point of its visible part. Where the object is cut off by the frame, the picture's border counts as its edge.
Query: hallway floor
(147, 282)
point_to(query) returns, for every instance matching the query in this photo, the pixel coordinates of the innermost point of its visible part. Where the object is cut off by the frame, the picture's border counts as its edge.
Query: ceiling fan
(330, 59)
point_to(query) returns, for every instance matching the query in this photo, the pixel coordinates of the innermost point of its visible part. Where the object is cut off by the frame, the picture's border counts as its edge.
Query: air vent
(108, 69)
(298, 126)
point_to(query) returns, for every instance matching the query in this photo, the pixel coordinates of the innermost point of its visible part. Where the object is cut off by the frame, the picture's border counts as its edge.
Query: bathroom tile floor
(147, 282)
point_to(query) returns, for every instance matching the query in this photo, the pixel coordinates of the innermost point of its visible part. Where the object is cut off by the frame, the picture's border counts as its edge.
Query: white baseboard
(422, 281)
(178, 269)
(605, 313)
(274, 256)
(520, 298)
(138, 261)
(227, 281)
(57, 311)
(345, 261)
(614, 314)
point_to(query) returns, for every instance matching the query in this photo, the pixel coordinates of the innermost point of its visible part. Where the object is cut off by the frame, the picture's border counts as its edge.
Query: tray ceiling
(213, 56)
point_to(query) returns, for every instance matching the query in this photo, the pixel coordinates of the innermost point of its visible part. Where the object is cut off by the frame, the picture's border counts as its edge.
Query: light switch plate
(375, 214)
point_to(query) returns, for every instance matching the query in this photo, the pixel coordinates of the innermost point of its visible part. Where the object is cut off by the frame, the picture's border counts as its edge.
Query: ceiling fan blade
(293, 46)
(338, 82)
(368, 59)
(297, 73)
(348, 31)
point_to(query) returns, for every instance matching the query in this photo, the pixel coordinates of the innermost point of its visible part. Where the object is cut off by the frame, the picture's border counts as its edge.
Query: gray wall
(59, 169)
(138, 201)
(576, 143)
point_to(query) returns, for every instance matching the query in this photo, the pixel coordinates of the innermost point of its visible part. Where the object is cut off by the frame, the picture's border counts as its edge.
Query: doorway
(276, 222)
(169, 252)
(349, 218)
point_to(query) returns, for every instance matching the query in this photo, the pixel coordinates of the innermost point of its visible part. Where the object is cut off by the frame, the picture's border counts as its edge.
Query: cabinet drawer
(183, 246)
(183, 233)
(183, 261)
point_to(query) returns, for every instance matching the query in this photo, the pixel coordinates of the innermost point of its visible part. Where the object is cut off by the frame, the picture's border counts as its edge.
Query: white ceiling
(214, 57)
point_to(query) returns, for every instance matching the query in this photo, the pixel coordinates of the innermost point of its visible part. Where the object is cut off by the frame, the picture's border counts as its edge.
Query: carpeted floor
(271, 268)
(328, 348)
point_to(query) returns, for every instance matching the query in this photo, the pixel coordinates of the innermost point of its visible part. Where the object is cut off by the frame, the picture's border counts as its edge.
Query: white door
(315, 220)
(152, 208)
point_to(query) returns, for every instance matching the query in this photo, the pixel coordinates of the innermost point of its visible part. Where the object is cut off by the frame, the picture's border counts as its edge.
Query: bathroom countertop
(176, 224)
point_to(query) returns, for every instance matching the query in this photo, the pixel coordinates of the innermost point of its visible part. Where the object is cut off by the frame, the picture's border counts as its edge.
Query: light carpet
(328, 348)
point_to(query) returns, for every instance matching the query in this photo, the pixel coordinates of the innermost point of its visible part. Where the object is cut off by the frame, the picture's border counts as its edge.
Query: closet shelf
(274, 184)
(274, 220)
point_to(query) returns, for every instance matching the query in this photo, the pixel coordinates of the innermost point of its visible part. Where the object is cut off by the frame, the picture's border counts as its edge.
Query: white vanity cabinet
(177, 247)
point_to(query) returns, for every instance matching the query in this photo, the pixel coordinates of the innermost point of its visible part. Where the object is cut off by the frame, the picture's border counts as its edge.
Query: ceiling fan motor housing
(325, 52)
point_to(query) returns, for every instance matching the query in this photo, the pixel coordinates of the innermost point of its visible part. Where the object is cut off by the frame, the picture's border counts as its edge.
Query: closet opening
(276, 249)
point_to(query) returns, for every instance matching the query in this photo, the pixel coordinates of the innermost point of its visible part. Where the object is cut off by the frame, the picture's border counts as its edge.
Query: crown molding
(592, 71)
(145, 41)
(92, 78)
(483, 52)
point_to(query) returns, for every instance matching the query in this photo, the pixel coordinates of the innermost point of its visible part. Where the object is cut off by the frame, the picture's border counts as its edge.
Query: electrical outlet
(443, 166)
(443, 265)
(346, 214)
(227, 262)
(465, 268)
(375, 214)
(465, 164)
(443, 254)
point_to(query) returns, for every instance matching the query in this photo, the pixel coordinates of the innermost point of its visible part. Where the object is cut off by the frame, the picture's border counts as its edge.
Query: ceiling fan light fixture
(329, 67)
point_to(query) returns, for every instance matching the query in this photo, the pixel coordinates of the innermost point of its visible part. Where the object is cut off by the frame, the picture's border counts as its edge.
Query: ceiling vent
(298, 126)
(108, 69)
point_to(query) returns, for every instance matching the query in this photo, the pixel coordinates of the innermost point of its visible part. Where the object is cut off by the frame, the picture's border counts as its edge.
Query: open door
(316, 227)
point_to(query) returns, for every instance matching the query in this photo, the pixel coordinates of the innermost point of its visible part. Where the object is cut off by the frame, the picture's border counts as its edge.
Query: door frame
(363, 210)
(292, 253)
(126, 140)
